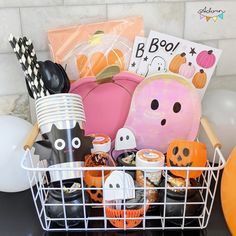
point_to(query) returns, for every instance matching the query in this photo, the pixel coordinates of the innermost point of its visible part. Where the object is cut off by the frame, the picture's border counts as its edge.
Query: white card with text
(137, 53)
(195, 62)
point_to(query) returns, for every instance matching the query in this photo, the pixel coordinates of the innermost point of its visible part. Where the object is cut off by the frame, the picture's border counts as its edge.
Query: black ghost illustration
(64, 145)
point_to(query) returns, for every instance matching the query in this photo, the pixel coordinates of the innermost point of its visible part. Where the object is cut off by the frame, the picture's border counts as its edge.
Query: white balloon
(13, 178)
(219, 106)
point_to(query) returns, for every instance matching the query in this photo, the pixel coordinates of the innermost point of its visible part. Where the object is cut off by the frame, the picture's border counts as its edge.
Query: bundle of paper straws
(26, 55)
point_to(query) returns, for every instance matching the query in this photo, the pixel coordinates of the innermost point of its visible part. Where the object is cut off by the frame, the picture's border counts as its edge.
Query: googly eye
(76, 142)
(59, 144)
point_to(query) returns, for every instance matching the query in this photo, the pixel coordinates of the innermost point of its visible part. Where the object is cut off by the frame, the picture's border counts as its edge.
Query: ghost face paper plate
(164, 107)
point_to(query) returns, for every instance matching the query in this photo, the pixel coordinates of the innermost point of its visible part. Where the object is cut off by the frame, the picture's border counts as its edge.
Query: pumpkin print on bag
(199, 79)
(91, 57)
(206, 59)
(187, 70)
(176, 62)
(98, 61)
(183, 153)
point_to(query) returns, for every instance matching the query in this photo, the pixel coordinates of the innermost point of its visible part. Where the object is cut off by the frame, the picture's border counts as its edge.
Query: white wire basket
(193, 207)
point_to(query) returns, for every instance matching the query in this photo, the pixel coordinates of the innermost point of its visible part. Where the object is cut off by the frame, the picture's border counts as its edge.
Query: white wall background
(34, 17)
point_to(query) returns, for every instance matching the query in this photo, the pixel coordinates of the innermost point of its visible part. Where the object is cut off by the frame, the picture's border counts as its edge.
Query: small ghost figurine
(119, 186)
(125, 139)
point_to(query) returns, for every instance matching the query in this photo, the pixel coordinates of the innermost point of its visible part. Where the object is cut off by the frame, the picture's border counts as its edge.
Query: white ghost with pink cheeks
(164, 107)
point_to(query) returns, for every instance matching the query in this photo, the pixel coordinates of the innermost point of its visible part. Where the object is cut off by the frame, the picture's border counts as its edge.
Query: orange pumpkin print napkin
(85, 50)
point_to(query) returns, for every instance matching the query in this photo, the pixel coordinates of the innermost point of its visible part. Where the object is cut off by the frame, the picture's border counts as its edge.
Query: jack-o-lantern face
(181, 157)
(93, 180)
(95, 194)
(183, 153)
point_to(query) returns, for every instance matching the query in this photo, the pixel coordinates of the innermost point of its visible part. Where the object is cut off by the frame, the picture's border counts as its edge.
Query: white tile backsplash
(37, 21)
(200, 29)
(163, 17)
(9, 23)
(83, 2)
(227, 65)
(26, 3)
(123, 1)
(210, 43)
(11, 77)
(88, 2)
(43, 55)
(223, 82)
(176, 17)
(16, 105)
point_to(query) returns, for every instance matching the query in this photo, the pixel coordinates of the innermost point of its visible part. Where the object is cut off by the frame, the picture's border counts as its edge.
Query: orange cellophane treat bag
(85, 50)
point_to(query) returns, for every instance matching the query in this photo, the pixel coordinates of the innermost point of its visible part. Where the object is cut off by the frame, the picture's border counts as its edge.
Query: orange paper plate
(228, 192)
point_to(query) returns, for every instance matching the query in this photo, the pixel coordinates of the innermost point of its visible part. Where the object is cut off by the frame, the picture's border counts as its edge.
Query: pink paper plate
(106, 105)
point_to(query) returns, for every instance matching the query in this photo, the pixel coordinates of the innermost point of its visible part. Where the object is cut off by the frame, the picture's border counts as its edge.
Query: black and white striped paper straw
(31, 50)
(31, 68)
(25, 53)
(32, 87)
(30, 58)
(34, 63)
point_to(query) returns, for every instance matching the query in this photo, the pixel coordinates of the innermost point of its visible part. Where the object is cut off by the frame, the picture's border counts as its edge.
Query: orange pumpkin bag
(87, 49)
